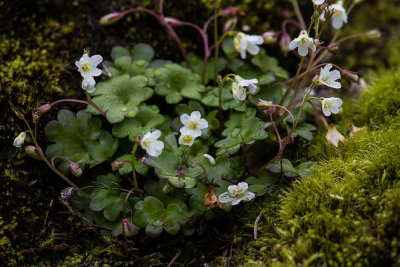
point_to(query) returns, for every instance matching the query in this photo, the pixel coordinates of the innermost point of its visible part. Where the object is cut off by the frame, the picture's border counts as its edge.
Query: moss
(346, 212)
(381, 99)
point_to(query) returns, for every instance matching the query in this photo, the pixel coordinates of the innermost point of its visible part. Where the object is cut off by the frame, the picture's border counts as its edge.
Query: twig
(256, 223)
(174, 258)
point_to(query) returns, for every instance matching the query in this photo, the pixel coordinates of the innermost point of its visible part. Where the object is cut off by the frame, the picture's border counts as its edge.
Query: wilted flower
(210, 158)
(350, 75)
(150, 143)
(339, 15)
(193, 123)
(355, 130)
(236, 193)
(303, 43)
(373, 34)
(331, 105)
(240, 85)
(333, 136)
(186, 138)
(20, 139)
(243, 42)
(33, 152)
(117, 164)
(210, 199)
(329, 78)
(88, 69)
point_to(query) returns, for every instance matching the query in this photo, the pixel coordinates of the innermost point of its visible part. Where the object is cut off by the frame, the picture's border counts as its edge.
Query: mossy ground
(347, 211)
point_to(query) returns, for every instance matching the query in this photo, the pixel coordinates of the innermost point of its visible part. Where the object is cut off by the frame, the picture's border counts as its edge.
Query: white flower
(339, 15)
(243, 42)
(88, 85)
(193, 123)
(88, 69)
(331, 105)
(318, 2)
(239, 86)
(303, 43)
(210, 158)
(333, 136)
(329, 78)
(150, 143)
(19, 140)
(236, 193)
(186, 138)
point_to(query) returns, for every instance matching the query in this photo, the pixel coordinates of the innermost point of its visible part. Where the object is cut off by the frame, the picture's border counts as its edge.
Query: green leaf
(245, 127)
(148, 118)
(304, 130)
(211, 99)
(302, 170)
(170, 163)
(120, 97)
(227, 146)
(267, 63)
(79, 138)
(197, 66)
(215, 172)
(269, 92)
(142, 52)
(127, 167)
(264, 181)
(177, 82)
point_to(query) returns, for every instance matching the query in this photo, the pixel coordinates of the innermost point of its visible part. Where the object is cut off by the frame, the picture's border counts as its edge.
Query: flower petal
(253, 48)
(203, 124)
(195, 115)
(293, 44)
(96, 59)
(303, 50)
(185, 119)
(249, 196)
(95, 72)
(225, 198)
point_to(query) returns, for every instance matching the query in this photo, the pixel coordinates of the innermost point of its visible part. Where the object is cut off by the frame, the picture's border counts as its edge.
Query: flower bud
(137, 139)
(315, 80)
(127, 229)
(231, 11)
(333, 47)
(20, 139)
(43, 109)
(229, 25)
(284, 43)
(35, 117)
(172, 21)
(75, 169)
(350, 75)
(19, 114)
(373, 34)
(318, 42)
(263, 103)
(270, 37)
(117, 164)
(181, 174)
(32, 152)
(111, 18)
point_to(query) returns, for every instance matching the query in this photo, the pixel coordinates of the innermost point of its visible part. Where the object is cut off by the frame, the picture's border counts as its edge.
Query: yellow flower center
(237, 193)
(85, 66)
(193, 125)
(147, 142)
(187, 139)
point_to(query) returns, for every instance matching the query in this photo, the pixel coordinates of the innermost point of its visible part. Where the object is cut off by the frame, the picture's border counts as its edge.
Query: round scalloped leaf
(147, 119)
(245, 127)
(79, 138)
(148, 211)
(142, 52)
(215, 172)
(265, 180)
(134, 64)
(176, 82)
(197, 66)
(169, 164)
(120, 97)
(227, 146)
(127, 167)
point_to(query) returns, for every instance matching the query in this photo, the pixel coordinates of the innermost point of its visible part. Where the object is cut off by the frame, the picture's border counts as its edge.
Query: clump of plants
(164, 146)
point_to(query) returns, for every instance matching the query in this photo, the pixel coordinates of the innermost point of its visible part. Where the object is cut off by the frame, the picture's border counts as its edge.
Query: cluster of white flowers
(240, 86)
(192, 126)
(243, 42)
(339, 16)
(87, 66)
(236, 193)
